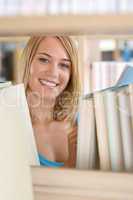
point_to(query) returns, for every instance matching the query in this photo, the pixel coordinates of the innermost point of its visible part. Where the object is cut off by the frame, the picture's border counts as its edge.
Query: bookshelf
(14, 39)
(78, 184)
(111, 24)
(65, 183)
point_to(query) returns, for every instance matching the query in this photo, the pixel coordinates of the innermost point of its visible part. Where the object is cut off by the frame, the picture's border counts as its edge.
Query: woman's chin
(44, 92)
(49, 91)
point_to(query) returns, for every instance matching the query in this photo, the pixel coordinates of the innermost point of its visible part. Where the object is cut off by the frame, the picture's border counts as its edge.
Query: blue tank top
(45, 162)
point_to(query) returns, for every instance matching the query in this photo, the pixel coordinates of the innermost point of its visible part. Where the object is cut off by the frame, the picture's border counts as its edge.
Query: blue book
(126, 77)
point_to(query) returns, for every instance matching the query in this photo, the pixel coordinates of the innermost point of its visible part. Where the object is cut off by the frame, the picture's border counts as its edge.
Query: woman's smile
(49, 83)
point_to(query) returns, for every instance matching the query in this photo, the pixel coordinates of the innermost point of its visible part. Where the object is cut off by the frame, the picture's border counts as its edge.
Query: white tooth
(48, 83)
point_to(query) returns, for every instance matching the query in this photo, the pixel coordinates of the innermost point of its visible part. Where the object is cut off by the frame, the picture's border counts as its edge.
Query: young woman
(51, 80)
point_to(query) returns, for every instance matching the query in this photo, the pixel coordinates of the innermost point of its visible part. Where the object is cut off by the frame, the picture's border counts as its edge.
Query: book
(130, 90)
(15, 145)
(4, 84)
(125, 79)
(102, 131)
(114, 131)
(96, 76)
(86, 140)
(126, 128)
(13, 101)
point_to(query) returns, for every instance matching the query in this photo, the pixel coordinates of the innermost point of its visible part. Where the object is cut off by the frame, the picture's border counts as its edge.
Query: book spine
(114, 131)
(126, 129)
(86, 145)
(102, 131)
(130, 89)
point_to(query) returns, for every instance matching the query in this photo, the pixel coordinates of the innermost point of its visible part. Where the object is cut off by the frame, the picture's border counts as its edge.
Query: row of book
(30, 7)
(105, 133)
(103, 74)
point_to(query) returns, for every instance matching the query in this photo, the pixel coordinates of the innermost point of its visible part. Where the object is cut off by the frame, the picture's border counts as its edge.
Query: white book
(130, 90)
(15, 173)
(102, 131)
(64, 6)
(73, 6)
(5, 84)
(123, 6)
(112, 72)
(53, 7)
(86, 145)
(96, 76)
(130, 6)
(28, 7)
(2, 8)
(13, 103)
(105, 74)
(114, 131)
(87, 79)
(12, 7)
(40, 7)
(126, 128)
(125, 78)
(102, 6)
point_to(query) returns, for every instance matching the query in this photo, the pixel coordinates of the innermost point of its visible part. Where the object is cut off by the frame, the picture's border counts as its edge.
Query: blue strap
(77, 119)
(45, 162)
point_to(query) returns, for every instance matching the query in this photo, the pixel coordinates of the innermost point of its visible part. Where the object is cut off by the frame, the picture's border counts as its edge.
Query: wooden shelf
(78, 184)
(14, 39)
(68, 24)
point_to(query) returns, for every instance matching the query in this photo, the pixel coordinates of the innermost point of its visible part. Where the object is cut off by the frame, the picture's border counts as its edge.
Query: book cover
(114, 131)
(102, 131)
(86, 145)
(126, 128)
(15, 157)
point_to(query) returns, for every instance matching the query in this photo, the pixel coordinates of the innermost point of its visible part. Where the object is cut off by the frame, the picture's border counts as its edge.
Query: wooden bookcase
(64, 184)
(93, 25)
(49, 184)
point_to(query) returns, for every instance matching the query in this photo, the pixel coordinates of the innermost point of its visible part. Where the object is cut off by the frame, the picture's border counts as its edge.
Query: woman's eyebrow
(46, 54)
(65, 59)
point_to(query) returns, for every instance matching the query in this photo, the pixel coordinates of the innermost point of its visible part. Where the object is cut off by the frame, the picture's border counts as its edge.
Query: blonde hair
(67, 102)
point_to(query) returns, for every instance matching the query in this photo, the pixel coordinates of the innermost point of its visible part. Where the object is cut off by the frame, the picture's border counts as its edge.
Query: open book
(17, 144)
(15, 117)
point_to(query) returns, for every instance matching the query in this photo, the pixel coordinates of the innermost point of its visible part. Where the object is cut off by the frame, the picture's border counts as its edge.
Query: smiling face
(50, 68)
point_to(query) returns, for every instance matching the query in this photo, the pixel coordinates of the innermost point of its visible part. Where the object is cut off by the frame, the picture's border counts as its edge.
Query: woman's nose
(53, 69)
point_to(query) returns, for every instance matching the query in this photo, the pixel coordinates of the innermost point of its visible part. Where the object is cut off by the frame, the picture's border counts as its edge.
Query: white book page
(15, 174)
(13, 101)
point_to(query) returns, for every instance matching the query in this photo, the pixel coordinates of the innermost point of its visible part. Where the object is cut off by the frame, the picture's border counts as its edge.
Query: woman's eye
(43, 60)
(64, 65)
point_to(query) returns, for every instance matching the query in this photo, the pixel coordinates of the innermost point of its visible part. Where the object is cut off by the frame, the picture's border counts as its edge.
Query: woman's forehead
(53, 47)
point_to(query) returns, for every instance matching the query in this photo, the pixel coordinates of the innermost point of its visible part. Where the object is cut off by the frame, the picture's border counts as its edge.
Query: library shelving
(75, 184)
(78, 184)
(111, 24)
